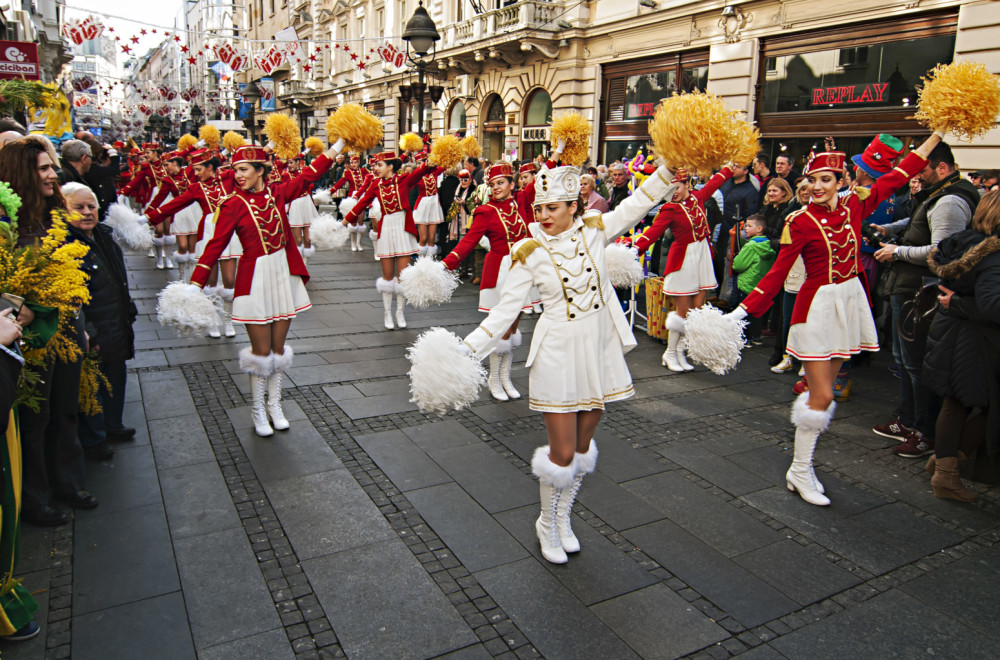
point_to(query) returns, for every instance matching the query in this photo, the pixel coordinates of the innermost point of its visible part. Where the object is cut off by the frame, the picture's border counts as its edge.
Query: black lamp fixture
(251, 94)
(420, 36)
(196, 115)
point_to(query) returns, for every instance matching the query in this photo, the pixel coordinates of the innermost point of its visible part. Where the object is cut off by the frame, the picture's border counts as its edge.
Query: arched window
(493, 128)
(537, 117)
(496, 111)
(456, 116)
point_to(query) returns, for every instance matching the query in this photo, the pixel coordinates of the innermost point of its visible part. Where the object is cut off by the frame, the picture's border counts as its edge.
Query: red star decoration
(153, 30)
(111, 29)
(361, 66)
(126, 49)
(166, 34)
(192, 60)
(327, 46)
(134, 40)
(143, 32)
(184, 49)
(312, 58)
(354, 56)
(306, 68)
(176, 38)
(319, 49)
(118, 38)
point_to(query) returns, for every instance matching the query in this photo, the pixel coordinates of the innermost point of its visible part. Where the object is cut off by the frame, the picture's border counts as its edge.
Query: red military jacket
(829, 242)
(393, 195)
(260, 221)
(209, 195)
(685, 219)
(428, 184)
(149, 173)
(356, 180)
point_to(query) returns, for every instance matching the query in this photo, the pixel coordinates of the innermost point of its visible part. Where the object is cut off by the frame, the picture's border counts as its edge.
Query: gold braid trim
(594, 220)
(862, 193)
(521, 254)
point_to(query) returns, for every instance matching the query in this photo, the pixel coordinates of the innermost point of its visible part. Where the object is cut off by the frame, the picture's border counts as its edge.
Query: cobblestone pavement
(370, 530)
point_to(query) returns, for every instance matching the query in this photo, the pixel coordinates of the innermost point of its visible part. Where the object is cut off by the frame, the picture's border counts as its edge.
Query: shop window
(539, 112)
(456, 117)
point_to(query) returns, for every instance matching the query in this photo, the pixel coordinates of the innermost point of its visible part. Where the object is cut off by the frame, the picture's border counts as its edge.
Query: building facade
(802, 69)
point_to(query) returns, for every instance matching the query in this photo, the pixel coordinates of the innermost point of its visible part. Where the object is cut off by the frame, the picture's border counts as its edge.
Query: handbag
(916, 315)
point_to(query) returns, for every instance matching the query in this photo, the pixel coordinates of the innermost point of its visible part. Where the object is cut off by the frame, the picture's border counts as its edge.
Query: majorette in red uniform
(184, 222)
(270, 278)
(689, 273)
(397, 234)
(832, 317)
(301, 212)
(427, 214)
(204, 197)
(357, 180)
(503, 222)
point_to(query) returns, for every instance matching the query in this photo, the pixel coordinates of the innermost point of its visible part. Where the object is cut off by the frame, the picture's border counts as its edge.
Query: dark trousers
(94, 428)
(756, 322)
(956, 430)
(918, 405)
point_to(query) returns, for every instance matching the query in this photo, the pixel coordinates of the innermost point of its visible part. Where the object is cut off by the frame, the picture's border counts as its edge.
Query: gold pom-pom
(573, 128)
(232, 141)
(186, 141)
(962, 98)
(210, 134)
(360, 129)
(410, 142)
(749, 144)
(698, 132)
(471, 147)
(284, 133)
(315, 146)
(446, 151)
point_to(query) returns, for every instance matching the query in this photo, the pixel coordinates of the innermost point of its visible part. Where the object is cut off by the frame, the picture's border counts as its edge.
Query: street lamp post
(196, 116)
(420, 34)
(251, 94)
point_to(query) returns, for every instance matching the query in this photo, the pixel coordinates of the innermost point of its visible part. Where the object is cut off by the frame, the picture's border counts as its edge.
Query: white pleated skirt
(233, 251)
(393, 239)
(428, 211)
(186, 221)
(275, 294)
(839, 324)
(490, 298)
(696, 273)
(580, 365)
(301, 212)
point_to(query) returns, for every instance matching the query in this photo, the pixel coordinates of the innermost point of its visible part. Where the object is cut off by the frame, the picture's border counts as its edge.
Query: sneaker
(756, 341)
(783, 367)
(894, 370)
(802, 372)
(27, 631)
(893, 429)
(801, 386)
(915, 446)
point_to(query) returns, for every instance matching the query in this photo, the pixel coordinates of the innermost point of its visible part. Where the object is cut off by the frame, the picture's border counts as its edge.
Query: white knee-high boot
(358, 232)
(673, 358)
(227, 308)
(168, 240)
(158, 248)
(585, 464)
(506, 363)
(281, 364)
(386, 288)
(307, 253)
(497, 359)
(553, 483)
(400, 304)
(259, 367)
(809, 424)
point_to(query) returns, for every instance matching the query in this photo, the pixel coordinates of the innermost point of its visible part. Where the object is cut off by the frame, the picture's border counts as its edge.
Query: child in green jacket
(755, 258)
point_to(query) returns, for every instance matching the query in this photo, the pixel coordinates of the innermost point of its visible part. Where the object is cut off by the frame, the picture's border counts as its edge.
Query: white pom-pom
(484, 243)
(444, 376)
(347, 205)
(373, 235)
(714, 340)
(130, 229)
(322, 196)
(188, 312)
(427, 282)
(624, 268)
(328, 233)
(375, 211)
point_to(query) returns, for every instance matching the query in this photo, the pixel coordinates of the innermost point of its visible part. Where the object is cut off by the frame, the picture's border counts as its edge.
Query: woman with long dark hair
(29, 170)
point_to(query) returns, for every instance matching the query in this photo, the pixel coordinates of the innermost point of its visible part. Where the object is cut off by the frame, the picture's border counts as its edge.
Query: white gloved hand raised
(560, 146)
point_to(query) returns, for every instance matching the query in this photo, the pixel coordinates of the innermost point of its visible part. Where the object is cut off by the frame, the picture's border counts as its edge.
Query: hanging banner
(268, 99)
(18, 59)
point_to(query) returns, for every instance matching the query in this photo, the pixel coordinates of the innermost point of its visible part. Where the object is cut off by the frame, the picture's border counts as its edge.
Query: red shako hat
(383, 156)
(500, 170)
(150, 145)
(200, 156)
(249, 154)
(828, 161)
(680, 176)
(527, 167)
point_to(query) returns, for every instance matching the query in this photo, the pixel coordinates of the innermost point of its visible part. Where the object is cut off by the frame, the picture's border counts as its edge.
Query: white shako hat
(560, 184)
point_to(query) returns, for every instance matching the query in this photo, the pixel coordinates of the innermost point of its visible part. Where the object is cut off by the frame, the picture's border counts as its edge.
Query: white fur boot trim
(587, 462)
(675, 323)
(283, 362)
(814, 420)
(515, 339)
(309, 252)
(257, 365)
(547, 471)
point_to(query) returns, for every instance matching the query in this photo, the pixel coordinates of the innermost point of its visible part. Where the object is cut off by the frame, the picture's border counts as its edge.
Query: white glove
(201, 144)
(464, 348)
(270, 146)
(338, 146)
(121, 200)
(192, 288)
(560, 146)
(142, 220)
(112, 152)
(737, 314)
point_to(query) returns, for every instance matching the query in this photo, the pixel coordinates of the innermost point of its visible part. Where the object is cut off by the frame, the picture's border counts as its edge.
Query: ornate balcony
(297, 92)
(530, 15)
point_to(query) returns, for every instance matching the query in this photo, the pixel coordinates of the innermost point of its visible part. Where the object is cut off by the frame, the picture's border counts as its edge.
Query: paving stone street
(371, 530)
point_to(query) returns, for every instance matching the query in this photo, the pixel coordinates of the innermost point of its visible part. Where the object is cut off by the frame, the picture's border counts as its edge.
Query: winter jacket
(753, 261)
(740, 201)
(962, 359)
(110, 313)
